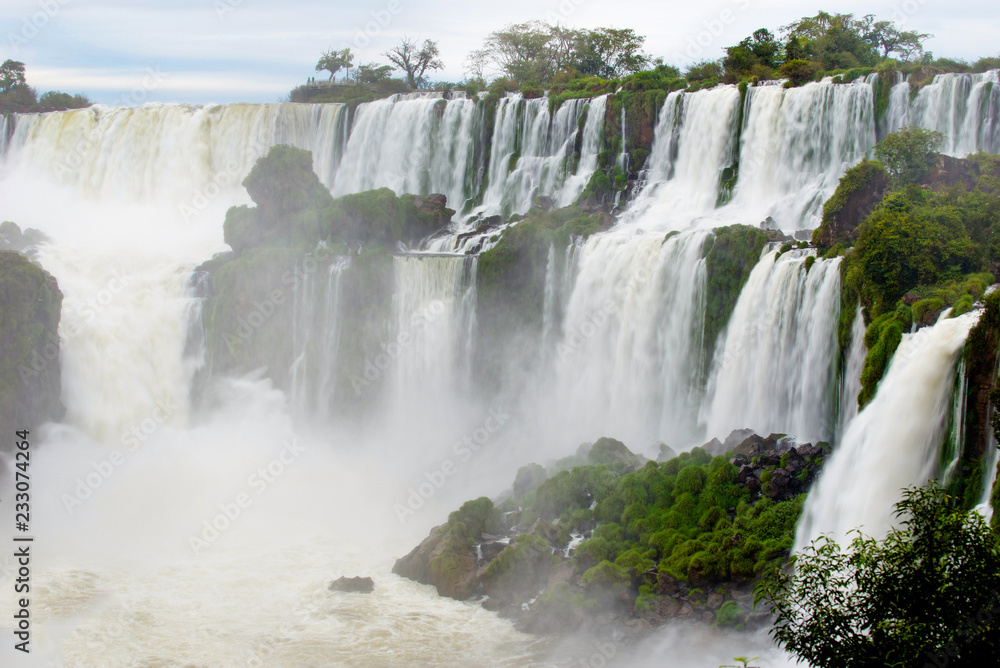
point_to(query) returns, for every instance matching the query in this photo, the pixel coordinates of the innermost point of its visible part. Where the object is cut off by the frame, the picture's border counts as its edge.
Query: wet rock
(736, 437)
(608, 451)
(714, 447)
(714, 601)
(361, 585)
(666, 453)
(528, 479)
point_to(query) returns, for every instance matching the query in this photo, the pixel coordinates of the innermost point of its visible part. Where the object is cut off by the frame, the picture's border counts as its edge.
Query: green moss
(526, 551)
(882, 338)
(733, 254)
(856, 179)
(475, 518)
(606, 574)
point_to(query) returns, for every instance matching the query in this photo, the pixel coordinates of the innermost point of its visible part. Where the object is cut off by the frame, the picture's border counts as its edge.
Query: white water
(692, 146)
(850, 381)
(775, 366)
(628, 362)
(795, 146)
(434, 303)
(894, 442)
(417, 146)
(116, 577)
(965, 108)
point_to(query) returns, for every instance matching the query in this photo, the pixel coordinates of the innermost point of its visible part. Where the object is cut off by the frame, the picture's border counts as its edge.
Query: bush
(909, 154)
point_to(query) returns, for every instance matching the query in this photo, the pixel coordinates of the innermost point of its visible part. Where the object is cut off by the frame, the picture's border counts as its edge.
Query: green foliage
(855, 180)
(799, 71)
(606, 574)
(909, 154)
(882, 338)
(928, 590)
(730, 615)
(571, 490)
(333, 61)
(475, 518)
(526, 552)
(734, 253)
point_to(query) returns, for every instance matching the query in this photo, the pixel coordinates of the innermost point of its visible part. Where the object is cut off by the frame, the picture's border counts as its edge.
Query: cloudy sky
(132, 51)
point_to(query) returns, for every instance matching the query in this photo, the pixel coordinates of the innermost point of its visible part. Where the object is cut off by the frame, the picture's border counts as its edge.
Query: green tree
(521, 51)
(707, 72)
(909, 154)
(834, 40)
(611, 53)
(372, 73)
(333, 61)
(929, 593)
(11, 76)
(415, 61)
(760, 50)
(57, 101)
(888, 39)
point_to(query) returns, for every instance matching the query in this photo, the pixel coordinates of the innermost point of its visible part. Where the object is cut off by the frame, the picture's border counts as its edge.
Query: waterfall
(894, 441)
(420, 146)
(593, 138)
(628, 360)
(532, 150)
(434, 305)
(897, 113)
(955, 442)
(965, 108)
(692, 145)
(559, 271)
(316, 327)
(850, 380)
(180, 154)
(795, 146)
(775, 370)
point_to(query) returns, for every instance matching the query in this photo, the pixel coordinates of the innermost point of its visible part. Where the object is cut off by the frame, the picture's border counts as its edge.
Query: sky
(129, 52)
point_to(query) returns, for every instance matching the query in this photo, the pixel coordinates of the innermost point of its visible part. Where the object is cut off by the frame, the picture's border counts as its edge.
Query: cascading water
(775, 366)
(434, 304)
(795, 145)
(628, 362)
(965, 108)
(316, 325)
(420, 146)
(850, 379)
(882, 452)
(593, 138)
(691, 148)
(530, 153)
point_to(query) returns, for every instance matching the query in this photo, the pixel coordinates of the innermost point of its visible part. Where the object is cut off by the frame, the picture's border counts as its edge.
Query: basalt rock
(361, 585)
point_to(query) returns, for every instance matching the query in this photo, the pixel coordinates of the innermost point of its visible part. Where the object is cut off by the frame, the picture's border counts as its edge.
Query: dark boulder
(359, 585)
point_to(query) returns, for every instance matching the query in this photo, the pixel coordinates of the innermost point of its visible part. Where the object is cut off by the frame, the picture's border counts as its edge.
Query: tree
(834, 40)
(11, 76)
(707, 71)
(760, 50)
(884, 36)
(909, 154)
(611, 53)
(57, 101)
(929, 594)
(413, 61)
(333, 61)
(372, 73)
(521, 52)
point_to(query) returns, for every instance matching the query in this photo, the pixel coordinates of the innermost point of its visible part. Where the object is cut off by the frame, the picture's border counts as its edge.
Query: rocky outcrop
(550, 563)
(860, 191)
(30, 379)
